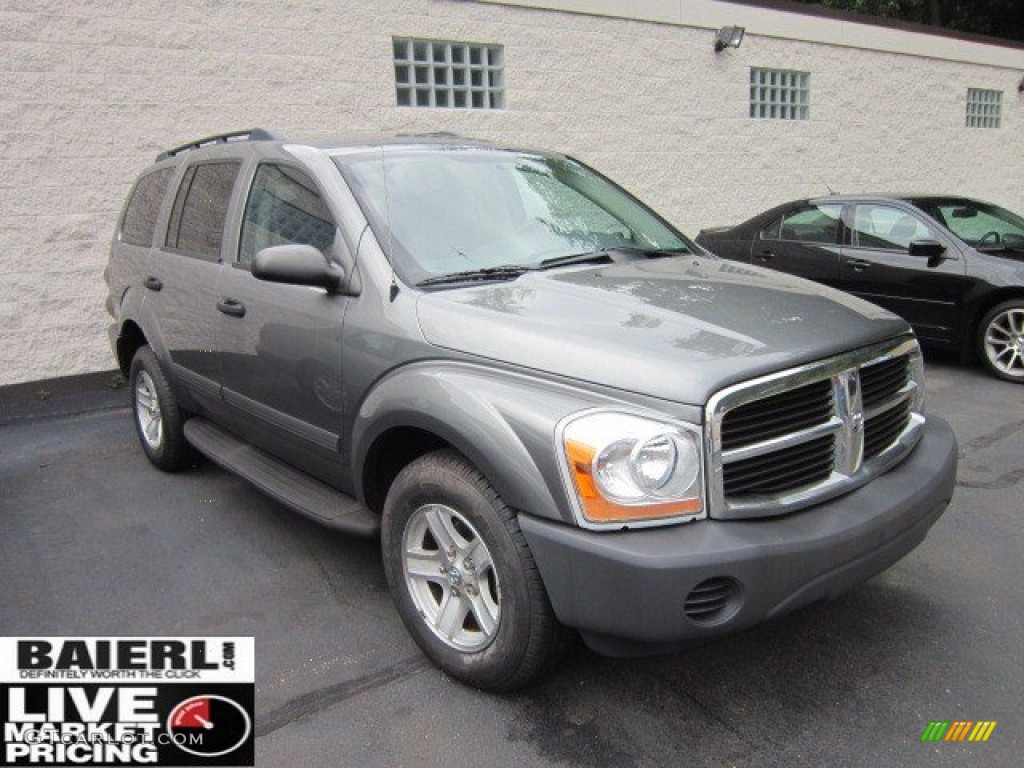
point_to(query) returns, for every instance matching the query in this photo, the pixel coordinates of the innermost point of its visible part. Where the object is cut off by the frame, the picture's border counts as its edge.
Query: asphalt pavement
(94, 541)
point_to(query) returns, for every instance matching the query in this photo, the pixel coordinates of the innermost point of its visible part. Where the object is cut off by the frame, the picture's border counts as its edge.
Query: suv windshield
(982, 225)
(448, 211)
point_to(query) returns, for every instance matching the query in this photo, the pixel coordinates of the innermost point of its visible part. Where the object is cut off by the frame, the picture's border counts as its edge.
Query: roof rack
(250, 134)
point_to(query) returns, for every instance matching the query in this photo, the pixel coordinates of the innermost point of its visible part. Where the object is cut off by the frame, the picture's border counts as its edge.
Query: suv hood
(672, 328)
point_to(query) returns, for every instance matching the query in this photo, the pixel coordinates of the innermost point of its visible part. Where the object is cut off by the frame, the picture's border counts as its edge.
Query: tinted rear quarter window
(196, 226)
(144, 206)
(814, 224)
(771, 232)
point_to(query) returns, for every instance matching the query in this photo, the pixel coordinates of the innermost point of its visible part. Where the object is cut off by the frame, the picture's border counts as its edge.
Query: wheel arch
(406, 436)
(130, 338)
(503, 425)
(389, 453)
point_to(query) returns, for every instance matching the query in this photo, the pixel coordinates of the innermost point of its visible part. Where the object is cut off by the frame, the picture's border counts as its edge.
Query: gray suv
(560, 416)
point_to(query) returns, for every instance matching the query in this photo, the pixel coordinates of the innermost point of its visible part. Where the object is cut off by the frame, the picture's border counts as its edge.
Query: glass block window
(434, 73)
(984, 108)
(779, 94)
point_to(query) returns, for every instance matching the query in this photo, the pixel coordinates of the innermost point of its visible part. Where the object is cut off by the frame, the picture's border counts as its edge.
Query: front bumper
(627, 592)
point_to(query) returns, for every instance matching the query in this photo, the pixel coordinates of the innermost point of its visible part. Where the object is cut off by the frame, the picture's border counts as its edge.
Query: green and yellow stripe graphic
(958, 730)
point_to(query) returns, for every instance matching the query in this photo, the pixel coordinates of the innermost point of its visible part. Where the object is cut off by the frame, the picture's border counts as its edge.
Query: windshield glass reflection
(976, 223)
(439, 212)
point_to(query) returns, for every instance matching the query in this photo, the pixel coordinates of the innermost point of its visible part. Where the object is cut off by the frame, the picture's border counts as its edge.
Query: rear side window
(814, 224)
(144, 206)
(284, 208)
(197, 219)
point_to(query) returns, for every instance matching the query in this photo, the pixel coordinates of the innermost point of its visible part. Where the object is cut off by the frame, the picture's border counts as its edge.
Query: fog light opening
(714, 600)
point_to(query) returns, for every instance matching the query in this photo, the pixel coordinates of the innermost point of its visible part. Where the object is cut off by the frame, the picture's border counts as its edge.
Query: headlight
(622, 468)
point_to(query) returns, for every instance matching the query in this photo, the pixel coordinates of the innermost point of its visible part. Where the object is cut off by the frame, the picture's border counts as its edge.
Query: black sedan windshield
(978, 224)
(454, 211)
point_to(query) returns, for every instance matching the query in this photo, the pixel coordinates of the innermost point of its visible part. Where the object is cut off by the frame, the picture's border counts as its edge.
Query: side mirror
(296, 265)
(1013, 241)
(929, 249)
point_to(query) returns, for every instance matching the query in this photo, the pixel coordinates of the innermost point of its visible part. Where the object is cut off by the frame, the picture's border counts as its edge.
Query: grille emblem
(849, 406)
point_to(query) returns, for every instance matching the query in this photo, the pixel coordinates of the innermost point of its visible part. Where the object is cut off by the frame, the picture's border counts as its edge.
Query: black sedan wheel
(1001, 340)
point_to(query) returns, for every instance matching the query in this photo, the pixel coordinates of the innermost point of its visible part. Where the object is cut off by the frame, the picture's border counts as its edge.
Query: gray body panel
(678, 328)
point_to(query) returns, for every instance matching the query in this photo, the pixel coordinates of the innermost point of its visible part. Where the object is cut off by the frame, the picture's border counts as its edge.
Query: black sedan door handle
(231, 307)
(764, 256)
(153, 283)
(859, 265)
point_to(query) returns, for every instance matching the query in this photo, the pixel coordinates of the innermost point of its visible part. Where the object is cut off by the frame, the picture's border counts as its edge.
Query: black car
(953, 267)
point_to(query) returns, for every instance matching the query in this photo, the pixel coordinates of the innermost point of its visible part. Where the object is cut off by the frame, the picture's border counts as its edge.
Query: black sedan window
(884, 226)
(814, 224)
(979, 224)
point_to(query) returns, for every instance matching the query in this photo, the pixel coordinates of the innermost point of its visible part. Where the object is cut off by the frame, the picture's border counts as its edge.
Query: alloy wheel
(450, 575)
(1004, 342)
(147, 410)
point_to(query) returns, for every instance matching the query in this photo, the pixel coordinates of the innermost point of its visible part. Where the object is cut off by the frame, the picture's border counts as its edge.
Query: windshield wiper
(512, 271)
(575, 258)
(651, 253)
(504, 272)
(605, 255)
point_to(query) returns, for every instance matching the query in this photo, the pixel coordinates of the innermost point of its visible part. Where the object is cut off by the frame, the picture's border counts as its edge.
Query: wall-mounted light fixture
(728, 37)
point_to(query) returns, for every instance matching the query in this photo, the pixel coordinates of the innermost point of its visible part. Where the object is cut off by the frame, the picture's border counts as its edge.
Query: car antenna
(830, 190)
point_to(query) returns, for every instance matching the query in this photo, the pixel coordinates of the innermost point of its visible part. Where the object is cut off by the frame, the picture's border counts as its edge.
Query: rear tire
(1000, 340)
(463, 578)
(159, 420)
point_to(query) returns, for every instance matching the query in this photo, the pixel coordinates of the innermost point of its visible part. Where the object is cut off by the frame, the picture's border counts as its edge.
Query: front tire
(463, 578)
(1001, 340)
(159, 420)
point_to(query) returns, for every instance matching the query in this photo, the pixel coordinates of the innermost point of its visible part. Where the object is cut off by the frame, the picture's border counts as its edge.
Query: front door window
(284, 208)
(887, 227)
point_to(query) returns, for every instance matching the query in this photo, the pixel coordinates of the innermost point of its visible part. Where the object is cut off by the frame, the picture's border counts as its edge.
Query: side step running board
(295, 490)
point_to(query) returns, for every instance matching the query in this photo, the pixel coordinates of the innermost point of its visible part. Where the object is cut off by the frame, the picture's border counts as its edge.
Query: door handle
(859, 265)
(764, 256)
(153, 283)
(231, 307)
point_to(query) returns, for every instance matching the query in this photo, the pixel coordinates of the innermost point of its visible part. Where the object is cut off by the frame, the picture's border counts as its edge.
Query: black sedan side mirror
(1013, 241)
(929, 249)
(296, 265)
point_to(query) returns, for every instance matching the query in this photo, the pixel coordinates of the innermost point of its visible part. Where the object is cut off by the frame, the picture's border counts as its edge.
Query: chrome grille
(882, 430)
(886, 413)
(777, 415)
(881, 381)
(792, 439)
(781, 470)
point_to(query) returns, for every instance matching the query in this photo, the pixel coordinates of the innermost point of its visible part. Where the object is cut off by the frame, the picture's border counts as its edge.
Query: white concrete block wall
(92, 90)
